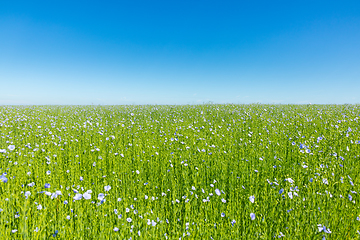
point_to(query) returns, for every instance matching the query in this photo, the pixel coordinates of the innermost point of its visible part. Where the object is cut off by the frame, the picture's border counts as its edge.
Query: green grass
(241, 150)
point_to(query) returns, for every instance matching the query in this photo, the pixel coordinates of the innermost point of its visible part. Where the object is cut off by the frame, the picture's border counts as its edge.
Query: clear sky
(179, 52)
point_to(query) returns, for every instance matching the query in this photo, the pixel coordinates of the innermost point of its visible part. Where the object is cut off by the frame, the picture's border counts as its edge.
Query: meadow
(180, 172)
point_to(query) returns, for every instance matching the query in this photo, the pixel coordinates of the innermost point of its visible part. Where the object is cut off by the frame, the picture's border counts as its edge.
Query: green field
(180, 172)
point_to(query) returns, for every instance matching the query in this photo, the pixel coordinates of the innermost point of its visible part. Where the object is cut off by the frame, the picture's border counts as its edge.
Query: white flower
(101, 196)
(86, 196)
(252, 216)
(290, 194)
(27, 194)
(289, 180)
(116, 229)
(107, 188)
(137, 171)
(55, 194)
(252, 199)
(3, 178)
(78, 196)
(217, 191)
(11, 148)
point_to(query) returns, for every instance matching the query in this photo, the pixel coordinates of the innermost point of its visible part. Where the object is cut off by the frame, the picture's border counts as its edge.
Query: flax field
(180, 172)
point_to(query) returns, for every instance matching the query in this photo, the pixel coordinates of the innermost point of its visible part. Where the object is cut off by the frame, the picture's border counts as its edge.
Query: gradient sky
(179, 52)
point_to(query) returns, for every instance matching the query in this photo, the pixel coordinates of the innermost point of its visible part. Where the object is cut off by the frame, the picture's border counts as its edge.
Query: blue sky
(179, 52)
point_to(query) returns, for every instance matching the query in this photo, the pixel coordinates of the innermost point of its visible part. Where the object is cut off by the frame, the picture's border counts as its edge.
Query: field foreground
(180, 172)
